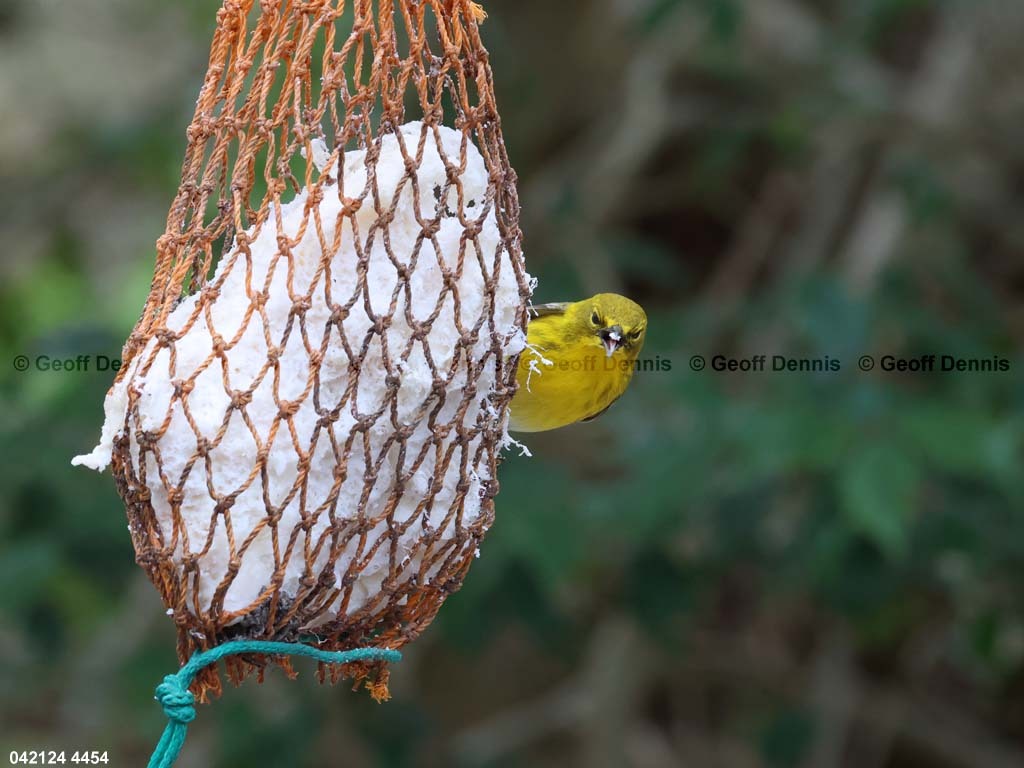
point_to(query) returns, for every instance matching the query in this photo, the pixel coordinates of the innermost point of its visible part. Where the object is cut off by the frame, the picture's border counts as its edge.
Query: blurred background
(728, 569)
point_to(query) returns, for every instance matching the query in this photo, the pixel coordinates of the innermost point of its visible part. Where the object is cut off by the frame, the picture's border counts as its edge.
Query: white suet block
(281, 279)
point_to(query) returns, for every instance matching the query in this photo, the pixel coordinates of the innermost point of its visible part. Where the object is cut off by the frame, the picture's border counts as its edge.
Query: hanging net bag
(307, 422)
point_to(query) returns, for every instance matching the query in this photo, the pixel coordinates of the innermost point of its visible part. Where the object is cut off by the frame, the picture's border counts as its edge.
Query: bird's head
(615, 322)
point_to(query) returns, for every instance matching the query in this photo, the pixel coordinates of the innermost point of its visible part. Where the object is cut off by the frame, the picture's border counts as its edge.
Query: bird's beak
(611, 338)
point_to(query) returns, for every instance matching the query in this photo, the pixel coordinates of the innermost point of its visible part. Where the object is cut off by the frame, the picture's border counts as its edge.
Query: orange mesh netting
(307, 422)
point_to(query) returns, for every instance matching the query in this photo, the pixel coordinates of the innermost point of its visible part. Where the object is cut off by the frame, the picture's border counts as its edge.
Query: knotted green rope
(178, 701)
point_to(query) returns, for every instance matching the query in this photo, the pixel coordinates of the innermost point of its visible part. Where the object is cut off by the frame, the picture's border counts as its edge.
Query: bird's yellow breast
(565, 377)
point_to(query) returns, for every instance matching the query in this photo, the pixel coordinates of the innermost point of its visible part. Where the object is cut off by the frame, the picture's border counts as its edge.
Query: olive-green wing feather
(542, 310)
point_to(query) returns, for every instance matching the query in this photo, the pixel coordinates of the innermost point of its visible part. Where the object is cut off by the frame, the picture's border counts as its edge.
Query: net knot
(177, 700)
(182, 388)
(240, 399)
(227, 17)
(315, 197)
(168, 242)
(200, 130)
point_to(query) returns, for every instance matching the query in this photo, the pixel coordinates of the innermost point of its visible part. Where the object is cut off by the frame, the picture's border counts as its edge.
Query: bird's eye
(595, 318)
(635, 334)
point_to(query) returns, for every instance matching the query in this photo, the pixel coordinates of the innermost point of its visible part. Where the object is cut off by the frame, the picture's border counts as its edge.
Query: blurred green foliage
(728, 569)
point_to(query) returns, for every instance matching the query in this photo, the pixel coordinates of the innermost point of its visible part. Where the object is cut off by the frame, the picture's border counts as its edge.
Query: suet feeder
(307, 422)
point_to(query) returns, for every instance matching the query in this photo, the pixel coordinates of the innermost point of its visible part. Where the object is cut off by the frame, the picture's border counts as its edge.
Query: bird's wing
(542, 310)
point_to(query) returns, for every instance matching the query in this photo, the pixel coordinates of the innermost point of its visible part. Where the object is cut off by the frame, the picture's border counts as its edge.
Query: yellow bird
(579, 360)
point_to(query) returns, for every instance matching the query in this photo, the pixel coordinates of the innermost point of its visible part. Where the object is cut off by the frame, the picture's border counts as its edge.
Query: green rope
(178, 701)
